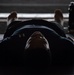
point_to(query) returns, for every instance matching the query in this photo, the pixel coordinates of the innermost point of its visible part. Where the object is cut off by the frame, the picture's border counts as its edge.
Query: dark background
(33, 6)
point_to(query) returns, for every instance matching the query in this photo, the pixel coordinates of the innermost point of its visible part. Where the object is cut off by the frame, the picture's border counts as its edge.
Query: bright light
(33, 15)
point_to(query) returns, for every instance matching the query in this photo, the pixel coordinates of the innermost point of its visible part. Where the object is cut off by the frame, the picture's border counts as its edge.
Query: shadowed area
(36, 6)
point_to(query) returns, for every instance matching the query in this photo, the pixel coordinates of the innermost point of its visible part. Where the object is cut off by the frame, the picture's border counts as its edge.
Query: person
(58, 16)
(61, 48)
(21, 44)
(37, 54)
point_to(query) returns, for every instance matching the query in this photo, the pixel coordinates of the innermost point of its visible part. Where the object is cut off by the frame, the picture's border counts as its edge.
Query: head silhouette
(37, 52)
(37, 40)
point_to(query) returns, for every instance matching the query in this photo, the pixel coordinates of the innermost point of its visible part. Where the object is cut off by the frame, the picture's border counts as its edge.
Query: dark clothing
(12, 47)
(12, 27)
(56, 42)
(61, 47)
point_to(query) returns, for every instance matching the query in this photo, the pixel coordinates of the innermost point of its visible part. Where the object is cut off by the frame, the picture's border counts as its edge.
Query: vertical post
(71, 16)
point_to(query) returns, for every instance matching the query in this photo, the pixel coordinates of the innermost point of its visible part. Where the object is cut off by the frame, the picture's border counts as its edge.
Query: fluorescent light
(33, 15)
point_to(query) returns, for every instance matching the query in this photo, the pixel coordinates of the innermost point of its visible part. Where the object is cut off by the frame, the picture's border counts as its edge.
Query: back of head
(37, 57)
